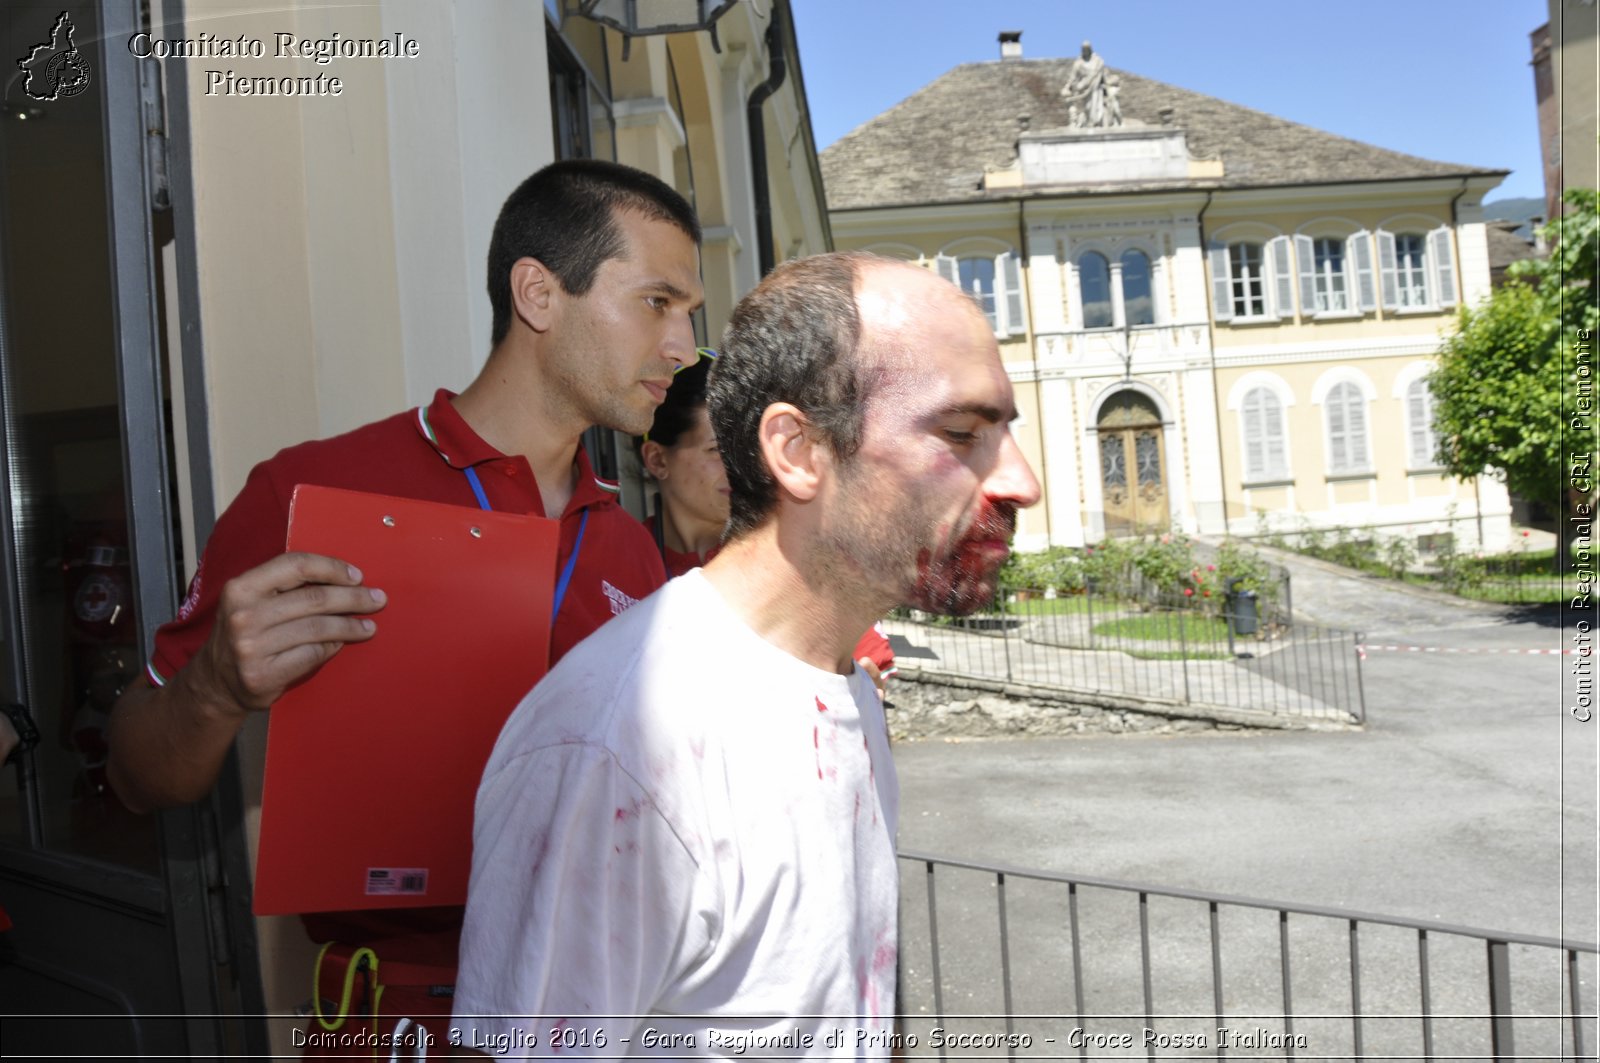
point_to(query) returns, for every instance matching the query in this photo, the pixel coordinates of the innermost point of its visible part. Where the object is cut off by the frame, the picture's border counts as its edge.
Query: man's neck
(759, 577)
(517, 419)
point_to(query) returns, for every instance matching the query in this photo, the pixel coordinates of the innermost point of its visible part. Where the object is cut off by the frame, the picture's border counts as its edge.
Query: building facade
(1216, 320)
(1566, 82)
(225, 229)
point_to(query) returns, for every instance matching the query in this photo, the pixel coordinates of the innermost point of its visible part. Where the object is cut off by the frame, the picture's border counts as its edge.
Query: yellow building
(1216, 319)
(226, 228)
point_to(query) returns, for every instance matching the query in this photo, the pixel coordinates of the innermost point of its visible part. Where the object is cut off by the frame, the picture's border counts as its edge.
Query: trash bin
(1240, 611)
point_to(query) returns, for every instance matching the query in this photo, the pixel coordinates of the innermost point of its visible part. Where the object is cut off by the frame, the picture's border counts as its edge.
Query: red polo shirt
(422, 454)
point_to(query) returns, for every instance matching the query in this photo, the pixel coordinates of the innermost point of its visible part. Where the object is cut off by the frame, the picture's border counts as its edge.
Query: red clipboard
(373, 762)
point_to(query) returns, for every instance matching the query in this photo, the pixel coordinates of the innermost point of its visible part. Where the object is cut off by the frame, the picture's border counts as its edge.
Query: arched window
(1118, 293)
(1094, 282)
(1138, 305)
(1419, 269)
(1261, 417)
(1327, 275)
(995, 281)
(1252, 281)
(1247, 280)
(1424, 443)
(1335, 274)
(1346, 411)
(1410, 270)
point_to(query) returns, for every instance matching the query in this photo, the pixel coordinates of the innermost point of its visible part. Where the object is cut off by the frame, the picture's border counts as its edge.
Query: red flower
(1188, 592)
(1205, 594)
(1524, 533)
(1211, 568)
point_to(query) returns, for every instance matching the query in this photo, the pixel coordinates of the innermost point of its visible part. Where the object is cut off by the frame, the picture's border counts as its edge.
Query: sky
(1448, 80)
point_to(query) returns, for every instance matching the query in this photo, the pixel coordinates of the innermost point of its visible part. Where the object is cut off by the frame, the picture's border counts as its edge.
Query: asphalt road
(1469, 798)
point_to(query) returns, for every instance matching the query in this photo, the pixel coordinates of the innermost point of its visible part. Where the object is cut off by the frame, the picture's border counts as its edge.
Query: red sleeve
(250, 532)
(875, 646)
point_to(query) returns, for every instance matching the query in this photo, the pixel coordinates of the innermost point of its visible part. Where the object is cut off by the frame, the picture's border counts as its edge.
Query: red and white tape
(1362, 649)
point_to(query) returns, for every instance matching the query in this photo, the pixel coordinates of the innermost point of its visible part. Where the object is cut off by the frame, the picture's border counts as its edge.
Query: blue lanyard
(572, 558)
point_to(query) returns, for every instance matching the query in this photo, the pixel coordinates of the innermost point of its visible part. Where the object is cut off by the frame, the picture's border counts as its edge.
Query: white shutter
(1305, 254)
(1421, 430)
(947, 269)
(1358, 256)
(1282, 273)
(1386, 268)
(1261, 416)
(1442, 266)
(1338, 431)
(1277, 460)
(1356, 418)
(1255, 416)
(1221, 300)
(1012, 282)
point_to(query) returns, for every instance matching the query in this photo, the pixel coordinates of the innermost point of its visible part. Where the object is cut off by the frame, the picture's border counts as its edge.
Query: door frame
(1094, 506)
(201, 895)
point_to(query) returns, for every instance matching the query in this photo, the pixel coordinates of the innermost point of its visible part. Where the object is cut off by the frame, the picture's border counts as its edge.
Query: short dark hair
(565, 216)
(794, 339)
(685, 397)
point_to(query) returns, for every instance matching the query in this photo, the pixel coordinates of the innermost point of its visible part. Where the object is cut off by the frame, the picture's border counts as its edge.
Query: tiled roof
(1505, 246)
(934, 146)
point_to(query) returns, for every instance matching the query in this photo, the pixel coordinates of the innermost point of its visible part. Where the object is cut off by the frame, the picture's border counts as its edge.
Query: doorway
(1133, 476)
(120, 943)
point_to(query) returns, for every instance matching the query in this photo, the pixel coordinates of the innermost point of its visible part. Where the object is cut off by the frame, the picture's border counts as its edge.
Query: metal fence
(1110, 645)
(1018, 963)
(1447, 557)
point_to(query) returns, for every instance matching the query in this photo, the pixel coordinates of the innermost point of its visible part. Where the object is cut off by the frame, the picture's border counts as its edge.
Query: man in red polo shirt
(593, 273)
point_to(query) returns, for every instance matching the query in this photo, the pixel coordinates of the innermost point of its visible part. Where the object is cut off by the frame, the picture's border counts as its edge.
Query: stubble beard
(947, 575)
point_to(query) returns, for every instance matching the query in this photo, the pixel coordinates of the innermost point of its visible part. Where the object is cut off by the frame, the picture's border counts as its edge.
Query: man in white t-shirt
(684, 841)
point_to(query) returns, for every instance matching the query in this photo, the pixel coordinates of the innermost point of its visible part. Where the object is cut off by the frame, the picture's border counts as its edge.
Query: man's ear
(534, 292)
(654, 458)
(792, 453)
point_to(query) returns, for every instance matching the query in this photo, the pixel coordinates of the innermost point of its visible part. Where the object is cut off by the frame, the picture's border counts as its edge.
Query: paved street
(1469, 798)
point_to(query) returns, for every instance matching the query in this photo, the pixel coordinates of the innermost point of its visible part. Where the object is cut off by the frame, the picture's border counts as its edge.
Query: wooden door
(1133, 477)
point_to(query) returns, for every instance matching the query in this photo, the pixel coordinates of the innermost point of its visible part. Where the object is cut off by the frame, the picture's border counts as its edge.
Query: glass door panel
(69, 581)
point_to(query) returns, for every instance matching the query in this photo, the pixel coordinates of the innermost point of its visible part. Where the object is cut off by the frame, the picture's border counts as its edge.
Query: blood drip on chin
(963, 580)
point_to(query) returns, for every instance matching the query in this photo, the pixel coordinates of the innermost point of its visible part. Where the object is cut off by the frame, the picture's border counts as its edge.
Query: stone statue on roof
(1091, 93)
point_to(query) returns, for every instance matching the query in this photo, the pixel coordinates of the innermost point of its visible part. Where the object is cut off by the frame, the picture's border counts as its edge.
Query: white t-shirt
(684, 845)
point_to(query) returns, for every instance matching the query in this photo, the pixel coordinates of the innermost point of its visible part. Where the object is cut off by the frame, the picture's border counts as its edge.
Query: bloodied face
(925, 508)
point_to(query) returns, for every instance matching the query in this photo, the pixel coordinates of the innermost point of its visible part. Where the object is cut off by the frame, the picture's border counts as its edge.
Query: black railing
(1112, 645)
(1052, 965)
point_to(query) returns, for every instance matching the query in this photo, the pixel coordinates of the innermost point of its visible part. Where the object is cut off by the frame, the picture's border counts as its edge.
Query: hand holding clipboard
(373, 762)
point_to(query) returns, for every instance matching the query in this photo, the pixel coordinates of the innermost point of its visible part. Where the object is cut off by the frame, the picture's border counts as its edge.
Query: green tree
(1509, 378)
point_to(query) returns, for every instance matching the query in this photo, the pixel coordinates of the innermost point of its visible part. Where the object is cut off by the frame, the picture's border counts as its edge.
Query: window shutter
(1306, 255)
(947, 269)
(1011, 271)
(1417, 415)
(1442, 265)
(1283, 276)
(1386, 268)
(1221, 302)
(1356, 427)
(1338, 431)
(1358, 256)
(1277, 461)
(1255, 416)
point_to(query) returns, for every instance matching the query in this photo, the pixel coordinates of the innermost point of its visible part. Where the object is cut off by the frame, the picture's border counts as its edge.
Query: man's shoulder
(635, 660)
(349, 456)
